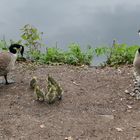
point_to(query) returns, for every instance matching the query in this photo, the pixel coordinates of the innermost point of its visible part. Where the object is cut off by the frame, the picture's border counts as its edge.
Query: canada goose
(7, 59)
(33, 82)
(136, 62)
(39, 93)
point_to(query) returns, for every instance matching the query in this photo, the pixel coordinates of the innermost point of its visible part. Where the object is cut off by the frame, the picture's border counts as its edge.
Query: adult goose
(136, 61)
(7, 60)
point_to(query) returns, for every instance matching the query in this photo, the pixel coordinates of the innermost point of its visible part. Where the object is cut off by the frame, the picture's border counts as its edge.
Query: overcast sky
(93, 22)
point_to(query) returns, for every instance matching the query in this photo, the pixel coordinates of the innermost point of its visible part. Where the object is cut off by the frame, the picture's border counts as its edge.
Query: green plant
(53, 55)
(3, 44)
(73, 56)
(116, 55)
(121, 54)
(76, 56)
(31, 37)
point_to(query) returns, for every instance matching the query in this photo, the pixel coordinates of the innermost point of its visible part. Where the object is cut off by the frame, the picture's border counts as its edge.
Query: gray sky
(93, 22)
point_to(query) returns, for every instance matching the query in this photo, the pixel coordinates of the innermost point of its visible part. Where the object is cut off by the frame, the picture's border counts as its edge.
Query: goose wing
(5, 59)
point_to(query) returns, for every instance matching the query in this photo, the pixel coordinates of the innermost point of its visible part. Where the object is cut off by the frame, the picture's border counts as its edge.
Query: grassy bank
(31, 38)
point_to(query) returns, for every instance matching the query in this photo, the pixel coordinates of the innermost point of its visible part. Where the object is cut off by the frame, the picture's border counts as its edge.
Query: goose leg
(6, 81)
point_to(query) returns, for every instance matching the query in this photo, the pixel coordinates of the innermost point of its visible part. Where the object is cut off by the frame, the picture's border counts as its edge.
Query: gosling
(39, 93)
(33, 82)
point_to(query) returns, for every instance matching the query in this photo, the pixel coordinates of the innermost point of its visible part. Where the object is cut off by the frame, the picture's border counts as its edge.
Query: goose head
(15, 48)
(139, 32)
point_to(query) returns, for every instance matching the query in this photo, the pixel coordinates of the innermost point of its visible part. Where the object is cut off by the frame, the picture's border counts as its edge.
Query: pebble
(126, 91)
(129, 106)
(68, 138)
(119, 129)
(42, 126)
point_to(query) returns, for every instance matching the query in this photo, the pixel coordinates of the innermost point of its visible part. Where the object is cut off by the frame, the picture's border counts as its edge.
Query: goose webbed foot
(7, 82)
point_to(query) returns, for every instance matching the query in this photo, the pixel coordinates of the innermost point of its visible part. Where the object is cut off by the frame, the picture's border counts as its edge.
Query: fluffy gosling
(39, 93)
(33, 82)
(57, 87)
(51, 95)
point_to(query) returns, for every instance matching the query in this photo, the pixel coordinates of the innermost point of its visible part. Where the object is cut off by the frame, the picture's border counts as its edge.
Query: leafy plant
(122, 54)
(53, 55)
(3, 44)
(31, 37)
(116, 55)
(76, 56)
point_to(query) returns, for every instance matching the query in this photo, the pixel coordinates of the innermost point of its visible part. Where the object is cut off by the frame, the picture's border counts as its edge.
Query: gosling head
(34, 77)
(33, 82)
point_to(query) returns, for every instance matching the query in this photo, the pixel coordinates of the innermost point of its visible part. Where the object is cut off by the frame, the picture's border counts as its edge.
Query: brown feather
(7, 61)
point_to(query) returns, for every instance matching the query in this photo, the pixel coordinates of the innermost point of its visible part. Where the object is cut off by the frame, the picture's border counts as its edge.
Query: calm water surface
(93, 22)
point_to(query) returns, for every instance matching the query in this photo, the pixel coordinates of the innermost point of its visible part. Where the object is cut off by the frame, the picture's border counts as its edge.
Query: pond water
(90, 22)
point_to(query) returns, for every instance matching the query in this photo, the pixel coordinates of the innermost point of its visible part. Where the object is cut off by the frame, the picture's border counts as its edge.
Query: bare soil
(94, 105)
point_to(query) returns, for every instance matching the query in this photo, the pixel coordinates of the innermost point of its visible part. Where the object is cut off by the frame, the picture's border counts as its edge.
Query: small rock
(126, 91)
(68, 138)
(119, 129)
(42, 126)
(129, 106)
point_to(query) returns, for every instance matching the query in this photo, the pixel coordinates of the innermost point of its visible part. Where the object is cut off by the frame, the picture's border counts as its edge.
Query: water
(90, 22)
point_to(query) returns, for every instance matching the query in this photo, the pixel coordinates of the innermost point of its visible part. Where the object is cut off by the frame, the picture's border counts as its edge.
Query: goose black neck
(12, 49)
(139, 50)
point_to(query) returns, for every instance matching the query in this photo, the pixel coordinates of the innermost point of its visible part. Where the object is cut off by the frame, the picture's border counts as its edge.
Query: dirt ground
(94, 105)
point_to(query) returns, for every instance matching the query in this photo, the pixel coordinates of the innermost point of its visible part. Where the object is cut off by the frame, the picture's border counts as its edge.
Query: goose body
(7, 59)
(136, 62)
(7, 62)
